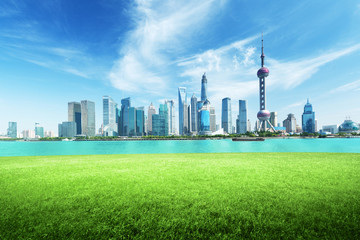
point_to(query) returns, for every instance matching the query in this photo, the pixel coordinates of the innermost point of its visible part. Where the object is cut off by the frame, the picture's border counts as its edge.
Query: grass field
(182, 196)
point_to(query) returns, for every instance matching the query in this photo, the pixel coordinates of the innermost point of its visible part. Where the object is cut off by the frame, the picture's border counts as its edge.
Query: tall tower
(182, 111)
(226, 119)
(263, 115)
(203, 88)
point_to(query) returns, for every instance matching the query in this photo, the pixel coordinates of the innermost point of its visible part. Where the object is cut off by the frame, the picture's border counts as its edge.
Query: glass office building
(67, 129)
(160, 126)
(226, 119)
(242, 120)
(88, 118)
(308, 119)
(124, 116)
(109, 116)
(12, 130)
(74, 115)
(182, 111)
(132, 122)
(194, 114)
(140, 121)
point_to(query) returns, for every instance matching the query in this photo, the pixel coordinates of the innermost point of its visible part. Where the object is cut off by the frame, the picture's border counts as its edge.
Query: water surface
(351, 145)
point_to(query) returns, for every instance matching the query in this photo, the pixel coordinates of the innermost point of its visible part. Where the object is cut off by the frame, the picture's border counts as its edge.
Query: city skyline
(49, 59)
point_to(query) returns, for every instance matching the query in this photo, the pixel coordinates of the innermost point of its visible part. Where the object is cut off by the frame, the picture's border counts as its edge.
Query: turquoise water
(351, 145)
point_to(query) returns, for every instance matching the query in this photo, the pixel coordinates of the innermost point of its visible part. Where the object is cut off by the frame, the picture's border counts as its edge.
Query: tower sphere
(263, 72)
(263, 115)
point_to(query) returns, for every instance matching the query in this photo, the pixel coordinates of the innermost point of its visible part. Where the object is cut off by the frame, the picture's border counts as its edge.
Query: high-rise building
(74, 115)
(248, 126)
(226, 118)
(109, 116)
(49, 133)
(67, 129)
(160, 122)
(12, 130)
(28, 134)
(242, 120)
(140, 121)
(204, 119)
(333, 129)
(273, 119)
(88, 118)
(124, 117)
(182, 111)
(132, 121)
(151, 111)
(39, 131)
(290, 123)
(263, 115)
(194, 114)
(308, 119)
(212, 119)
(171, 114)
(203, 88)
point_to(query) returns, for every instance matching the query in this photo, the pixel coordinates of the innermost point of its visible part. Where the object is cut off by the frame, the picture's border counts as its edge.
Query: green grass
(182, 196)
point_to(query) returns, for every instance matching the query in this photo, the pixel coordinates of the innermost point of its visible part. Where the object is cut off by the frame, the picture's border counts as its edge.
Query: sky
(58, 51)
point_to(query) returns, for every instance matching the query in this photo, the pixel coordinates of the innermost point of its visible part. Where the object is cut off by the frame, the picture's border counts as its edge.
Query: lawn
(182, 196)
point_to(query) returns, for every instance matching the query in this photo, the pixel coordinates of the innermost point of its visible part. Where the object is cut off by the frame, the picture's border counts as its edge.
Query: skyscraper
(212, 119)
(67, 129)
(140, 121)
(204, 119)
(74, 115)
(263, 115)
(242, 118)
(203, 88)
(12, 130)
(273, 118)
(39, 131)
(290, 123)
(226, 118)
(132, 122)
(124, 116)
(160, 122)
(182, 111)
(151, 111)
(88, 118)
(171, 115)
(308, 119)
(194, 114)
(109, 116)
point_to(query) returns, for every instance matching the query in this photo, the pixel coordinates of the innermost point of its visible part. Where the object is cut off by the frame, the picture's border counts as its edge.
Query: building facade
(160, 122)
(226, 118)
(212, 119)
(140, 121)
(88, 118)
(74, 115)
(151, 111)
(109, 116)
(194, 114)
(124, 117)
(290, 123)
(242, 120)
(39, 131)
(308, 119)
(171, 115)
(182, 111)
(12, 130)
(67, 129)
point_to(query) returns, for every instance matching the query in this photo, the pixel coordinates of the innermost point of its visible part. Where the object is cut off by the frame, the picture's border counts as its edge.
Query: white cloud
(353, 86)
(291, 74)
(161, 31)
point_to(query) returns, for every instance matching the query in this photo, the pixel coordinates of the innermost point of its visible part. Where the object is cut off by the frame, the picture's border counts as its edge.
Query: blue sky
(54, 52)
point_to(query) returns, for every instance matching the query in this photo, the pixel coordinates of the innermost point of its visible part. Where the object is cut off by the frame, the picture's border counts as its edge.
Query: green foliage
(182, 196)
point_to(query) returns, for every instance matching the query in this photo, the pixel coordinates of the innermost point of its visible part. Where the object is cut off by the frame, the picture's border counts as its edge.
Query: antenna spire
(262, 50)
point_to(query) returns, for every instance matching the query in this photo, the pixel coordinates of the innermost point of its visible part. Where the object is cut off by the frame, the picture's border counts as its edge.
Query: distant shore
(173, 138)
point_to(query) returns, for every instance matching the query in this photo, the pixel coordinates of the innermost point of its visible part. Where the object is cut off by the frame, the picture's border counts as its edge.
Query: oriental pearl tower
(263, 115)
